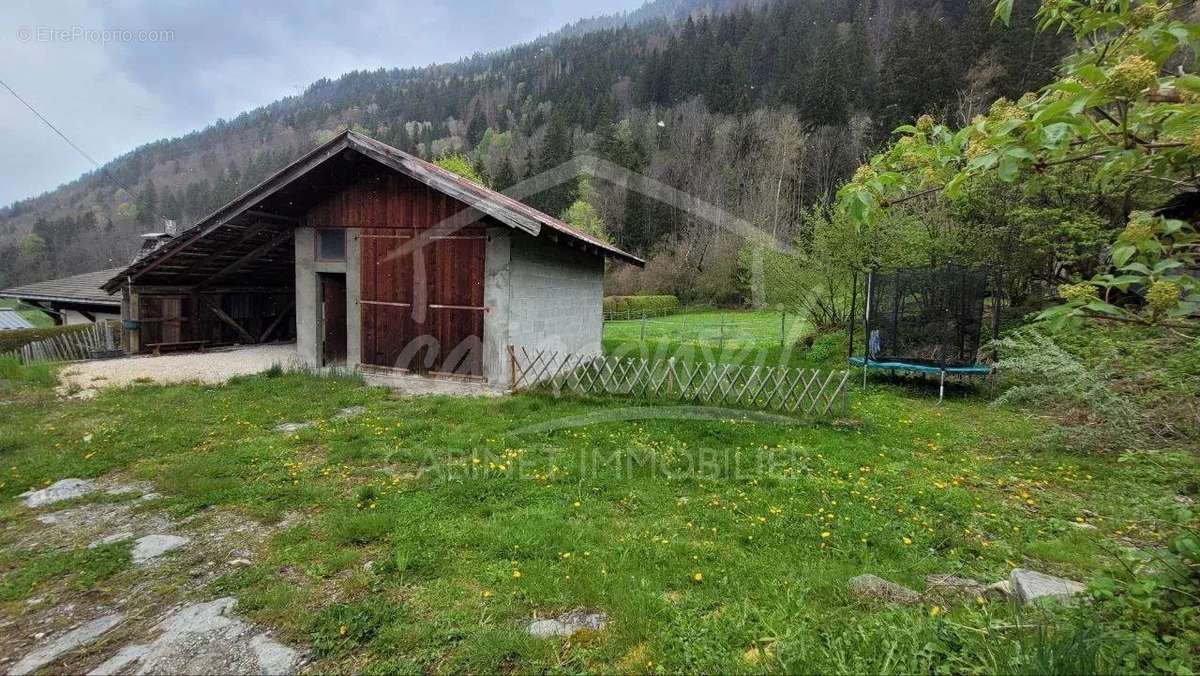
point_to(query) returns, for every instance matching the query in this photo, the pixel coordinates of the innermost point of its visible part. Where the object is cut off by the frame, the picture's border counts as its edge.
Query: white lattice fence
(777, 388)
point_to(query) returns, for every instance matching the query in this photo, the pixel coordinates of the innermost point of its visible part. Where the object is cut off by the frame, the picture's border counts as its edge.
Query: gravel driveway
(84, 378)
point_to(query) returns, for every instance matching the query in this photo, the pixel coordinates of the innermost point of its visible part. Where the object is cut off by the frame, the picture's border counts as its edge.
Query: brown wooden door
(333, 318)
(422, 300)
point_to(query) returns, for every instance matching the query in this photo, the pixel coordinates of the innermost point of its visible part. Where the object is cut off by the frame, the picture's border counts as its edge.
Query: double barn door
(421, 299)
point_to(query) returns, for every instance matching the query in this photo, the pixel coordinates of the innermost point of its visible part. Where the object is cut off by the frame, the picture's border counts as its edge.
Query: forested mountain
(759, 107)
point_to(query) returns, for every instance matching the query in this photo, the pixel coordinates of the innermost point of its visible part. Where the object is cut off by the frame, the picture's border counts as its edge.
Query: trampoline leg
(942, 387)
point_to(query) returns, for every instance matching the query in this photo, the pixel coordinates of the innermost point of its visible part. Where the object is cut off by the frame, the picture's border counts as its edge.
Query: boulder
(876, 588)
(58, 491)
(1029, 586)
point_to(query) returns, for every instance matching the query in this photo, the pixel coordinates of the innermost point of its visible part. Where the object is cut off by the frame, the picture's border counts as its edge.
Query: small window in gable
(331, 245)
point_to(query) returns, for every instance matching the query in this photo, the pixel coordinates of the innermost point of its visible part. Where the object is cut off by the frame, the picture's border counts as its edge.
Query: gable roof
(11, 319)
(482, 200)
(83, 289)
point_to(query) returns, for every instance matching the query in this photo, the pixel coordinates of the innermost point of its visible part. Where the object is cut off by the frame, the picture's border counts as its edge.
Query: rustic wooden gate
(422, 299)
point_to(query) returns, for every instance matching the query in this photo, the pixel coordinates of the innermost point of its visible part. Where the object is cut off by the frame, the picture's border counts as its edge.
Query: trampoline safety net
(927, 316)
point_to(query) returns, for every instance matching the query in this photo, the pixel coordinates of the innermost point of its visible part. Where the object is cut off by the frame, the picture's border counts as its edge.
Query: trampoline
(926, 321)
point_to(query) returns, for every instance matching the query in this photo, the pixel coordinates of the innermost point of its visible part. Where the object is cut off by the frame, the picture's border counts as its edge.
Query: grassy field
(747, 336)
(719, 545)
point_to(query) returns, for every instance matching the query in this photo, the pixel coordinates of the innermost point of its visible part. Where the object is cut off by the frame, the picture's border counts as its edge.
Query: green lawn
(713, 545)
(744, 336)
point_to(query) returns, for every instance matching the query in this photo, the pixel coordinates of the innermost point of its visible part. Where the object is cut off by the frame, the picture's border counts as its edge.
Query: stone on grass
(151, 547)
(66, 643)
(1002, 589)
(293, 427)
(350, 412)
(204, 638)
(950, 586)
(1029, 586)
(876, 588)
(568, 624)
(57, 492)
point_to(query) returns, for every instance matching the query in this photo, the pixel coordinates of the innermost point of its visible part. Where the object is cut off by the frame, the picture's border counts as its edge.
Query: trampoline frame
(941, 369)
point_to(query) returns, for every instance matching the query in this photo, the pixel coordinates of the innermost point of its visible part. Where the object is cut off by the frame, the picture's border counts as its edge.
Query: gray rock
(876, 588)
(204, 638)
(568, 624)
(151, 547)
(1002, 589)
(1030, 585)
(57, 492)
(950, 586)
(292, 428)
(117, 663)
(66, 643)
(350, 412)
(274, 658)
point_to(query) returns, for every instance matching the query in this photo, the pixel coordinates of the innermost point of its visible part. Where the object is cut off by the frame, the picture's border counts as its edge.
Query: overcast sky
(203, 61)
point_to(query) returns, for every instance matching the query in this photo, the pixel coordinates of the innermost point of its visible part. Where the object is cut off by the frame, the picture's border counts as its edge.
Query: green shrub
(657, 305)
(11, 341)
(11, 370)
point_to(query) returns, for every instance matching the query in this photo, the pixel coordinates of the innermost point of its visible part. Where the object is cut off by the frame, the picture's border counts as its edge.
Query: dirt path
(84, 378)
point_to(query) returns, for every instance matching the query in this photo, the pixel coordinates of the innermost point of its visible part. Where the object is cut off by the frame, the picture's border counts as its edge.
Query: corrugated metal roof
(83, 289)
(485, 200)
(11, 319)
(423, 171)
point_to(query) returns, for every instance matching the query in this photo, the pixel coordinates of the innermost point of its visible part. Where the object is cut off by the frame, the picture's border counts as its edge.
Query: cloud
(221, 59)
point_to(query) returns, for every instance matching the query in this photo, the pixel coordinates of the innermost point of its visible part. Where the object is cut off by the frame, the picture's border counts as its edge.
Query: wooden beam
(268, 216)
(252, 231)
(256, 252)
(229, 320)
(175, 290)
(278, 320)
(242, 204)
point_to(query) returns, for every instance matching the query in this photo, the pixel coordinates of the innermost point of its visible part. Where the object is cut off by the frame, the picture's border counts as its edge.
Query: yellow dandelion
(487, 594)
(343, 630)
(697, 577)
(933, 612)
(825, 533)
(516, 573)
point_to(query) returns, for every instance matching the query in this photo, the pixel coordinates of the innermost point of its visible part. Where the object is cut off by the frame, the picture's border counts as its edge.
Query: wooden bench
(180, 346)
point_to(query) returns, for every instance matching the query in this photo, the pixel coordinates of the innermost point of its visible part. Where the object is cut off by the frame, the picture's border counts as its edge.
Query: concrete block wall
(309, 329)
(555, 296)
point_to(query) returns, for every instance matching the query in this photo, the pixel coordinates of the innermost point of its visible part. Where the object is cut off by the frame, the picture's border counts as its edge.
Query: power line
(49, 124)
(64, 137)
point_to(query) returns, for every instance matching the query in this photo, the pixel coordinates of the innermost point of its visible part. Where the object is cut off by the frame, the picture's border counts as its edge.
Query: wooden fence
(102, 339)
(777, 388)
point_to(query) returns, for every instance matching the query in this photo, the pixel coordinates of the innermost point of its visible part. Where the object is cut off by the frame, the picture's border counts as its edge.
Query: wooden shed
(367, 256)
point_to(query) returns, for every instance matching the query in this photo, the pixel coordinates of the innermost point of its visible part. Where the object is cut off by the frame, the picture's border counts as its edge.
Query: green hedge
(648, 304)
(17, 338)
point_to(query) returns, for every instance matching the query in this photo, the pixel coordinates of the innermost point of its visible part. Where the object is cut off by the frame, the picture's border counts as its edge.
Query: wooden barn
(367, 256)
